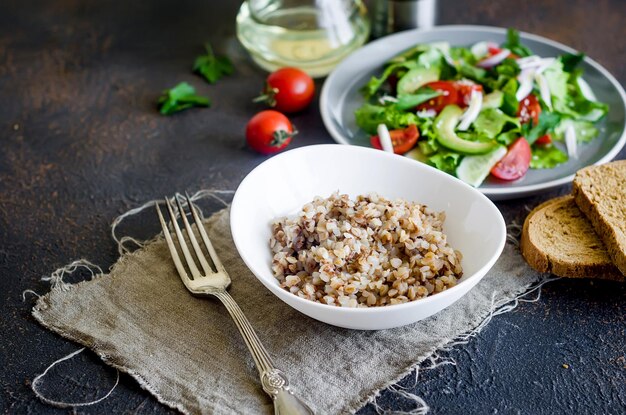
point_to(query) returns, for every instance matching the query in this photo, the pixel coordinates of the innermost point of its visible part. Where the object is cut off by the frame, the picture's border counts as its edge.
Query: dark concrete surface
(82, 143)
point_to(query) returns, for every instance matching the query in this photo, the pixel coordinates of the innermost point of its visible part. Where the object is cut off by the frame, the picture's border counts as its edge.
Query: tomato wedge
(402, 140)
(515, 163)
(529, 109)
(449, 95)
(544, 140)
(464, 90)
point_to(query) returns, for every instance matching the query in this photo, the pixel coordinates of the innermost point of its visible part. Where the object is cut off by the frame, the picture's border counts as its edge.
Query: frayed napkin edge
(476, 325)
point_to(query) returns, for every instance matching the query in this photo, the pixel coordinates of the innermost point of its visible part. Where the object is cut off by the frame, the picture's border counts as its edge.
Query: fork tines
(209, 266)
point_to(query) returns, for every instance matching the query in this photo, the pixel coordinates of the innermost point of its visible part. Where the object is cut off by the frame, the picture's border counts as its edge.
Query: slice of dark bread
(600, 192)
(557, 238)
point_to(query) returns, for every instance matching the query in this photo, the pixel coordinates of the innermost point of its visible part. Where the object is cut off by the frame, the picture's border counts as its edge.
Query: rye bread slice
(600, 192)
(557, 238)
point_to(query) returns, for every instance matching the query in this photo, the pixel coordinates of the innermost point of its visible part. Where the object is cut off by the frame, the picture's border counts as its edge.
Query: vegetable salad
(481, 110)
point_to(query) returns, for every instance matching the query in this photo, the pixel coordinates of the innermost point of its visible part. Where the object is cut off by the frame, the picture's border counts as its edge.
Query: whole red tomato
(269, 132)
(288, 90)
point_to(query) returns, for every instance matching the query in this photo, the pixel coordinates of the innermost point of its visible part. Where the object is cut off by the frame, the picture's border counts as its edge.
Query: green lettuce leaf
(375, 83)
(412, 53)
(557, 79)
(425, 127)
(508, 137)
(546, 157)
(434, 58)
(502, 74)
(446, 161)
(567, 98)
(472, 72)
(428, 145)
(584, 108)
(369, 116)
(463, 54)
(585, 130)
(509, 102)
(491, 122)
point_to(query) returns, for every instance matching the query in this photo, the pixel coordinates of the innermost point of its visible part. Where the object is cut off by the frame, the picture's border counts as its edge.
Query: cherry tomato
(269, 132)
(288, 90)
(464, 90)
(449, 95)
(529, 109)
(515, 163)
(544, 140)
(402, 139)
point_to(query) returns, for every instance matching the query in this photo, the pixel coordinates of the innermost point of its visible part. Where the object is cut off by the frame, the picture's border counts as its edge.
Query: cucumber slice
(444, 126)
(415, 78)
(493, 100)
(474, 169)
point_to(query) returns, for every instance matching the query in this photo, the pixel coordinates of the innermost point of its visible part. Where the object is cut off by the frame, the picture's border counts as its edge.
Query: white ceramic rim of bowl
(275, 288)
(522, 190)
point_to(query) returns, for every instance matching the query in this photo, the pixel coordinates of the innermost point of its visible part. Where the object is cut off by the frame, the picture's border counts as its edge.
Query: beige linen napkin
(187, 352)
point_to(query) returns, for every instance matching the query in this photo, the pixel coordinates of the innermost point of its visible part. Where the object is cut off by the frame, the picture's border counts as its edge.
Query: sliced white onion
(385, 138)
(525, 79)
(544, 64)
(529, 62)
(481, 49)
(526, 59)
(470, 115)
(448, 59)
(570, 141)
(544, 89)
(387, 98)
(495, 59)
(586, 90)
(426, 113)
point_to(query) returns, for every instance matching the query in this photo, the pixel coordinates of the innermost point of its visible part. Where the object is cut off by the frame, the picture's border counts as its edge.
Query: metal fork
(214, 281)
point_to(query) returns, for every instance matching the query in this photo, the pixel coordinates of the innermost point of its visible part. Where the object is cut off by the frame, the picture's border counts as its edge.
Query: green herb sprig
(179, 98)
(212, 67)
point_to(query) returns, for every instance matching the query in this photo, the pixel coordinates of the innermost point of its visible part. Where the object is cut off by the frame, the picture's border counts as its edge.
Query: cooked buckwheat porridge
(365, 252)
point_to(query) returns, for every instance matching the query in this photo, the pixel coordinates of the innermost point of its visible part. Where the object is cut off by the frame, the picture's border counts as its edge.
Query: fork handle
(273, 380)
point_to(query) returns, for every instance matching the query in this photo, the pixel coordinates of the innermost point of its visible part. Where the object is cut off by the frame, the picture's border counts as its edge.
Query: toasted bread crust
(600, 193)
(562, 254)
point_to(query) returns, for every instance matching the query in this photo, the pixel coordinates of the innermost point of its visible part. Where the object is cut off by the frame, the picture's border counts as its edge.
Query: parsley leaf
(179, 98)
(212, 67)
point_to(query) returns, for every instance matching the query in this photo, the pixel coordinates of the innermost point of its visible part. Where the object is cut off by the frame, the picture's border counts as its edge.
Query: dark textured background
(82, 143)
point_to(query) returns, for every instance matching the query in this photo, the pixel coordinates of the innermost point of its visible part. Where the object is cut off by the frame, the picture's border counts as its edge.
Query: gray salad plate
(340, 97)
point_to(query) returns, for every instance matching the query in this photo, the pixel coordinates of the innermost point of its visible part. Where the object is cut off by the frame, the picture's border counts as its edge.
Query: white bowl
(283, 184)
